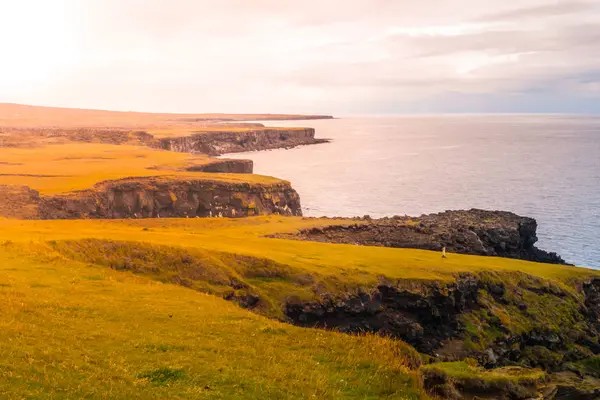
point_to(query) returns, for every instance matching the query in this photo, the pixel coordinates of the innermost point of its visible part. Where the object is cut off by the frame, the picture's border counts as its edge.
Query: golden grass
(72, 328)
(508, 382)
(69, 330)
(75, 166)
(359, 264)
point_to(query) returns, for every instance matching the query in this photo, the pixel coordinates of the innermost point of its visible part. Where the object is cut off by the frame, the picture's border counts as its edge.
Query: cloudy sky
(321, 56)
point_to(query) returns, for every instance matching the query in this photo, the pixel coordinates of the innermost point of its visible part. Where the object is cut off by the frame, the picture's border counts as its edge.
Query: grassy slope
(67, 167)
(69, 330)
(73, 328)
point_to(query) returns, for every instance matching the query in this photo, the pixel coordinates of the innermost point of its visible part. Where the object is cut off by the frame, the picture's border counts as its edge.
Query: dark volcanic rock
(156, 198)
(592, 302)
(479, 232)
(422, 316)
(163, 198)
(225, 166)
(430, 316)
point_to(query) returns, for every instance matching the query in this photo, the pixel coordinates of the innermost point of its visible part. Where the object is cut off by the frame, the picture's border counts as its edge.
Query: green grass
(463, 370)
(132, 309)
(465, 377)
(163, 376)
(127, 336)
(587, 366)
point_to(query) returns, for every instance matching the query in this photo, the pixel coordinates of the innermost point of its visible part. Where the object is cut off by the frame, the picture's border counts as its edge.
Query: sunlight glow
(34, 51)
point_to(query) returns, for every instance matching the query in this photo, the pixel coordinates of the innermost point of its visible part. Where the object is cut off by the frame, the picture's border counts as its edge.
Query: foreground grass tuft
(163, 376)
(452, 379)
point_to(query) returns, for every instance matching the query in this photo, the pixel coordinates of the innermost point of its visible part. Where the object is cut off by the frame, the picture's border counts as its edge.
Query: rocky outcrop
(156, 198)
(592, 303)
(497, 319)
(164, 197)
(478, 232)
(225, 166)
(18, 202)
(423, 315)
(222, 142)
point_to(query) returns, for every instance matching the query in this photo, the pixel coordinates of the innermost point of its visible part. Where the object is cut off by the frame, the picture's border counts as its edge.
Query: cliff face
(499, 319)
(217, 143)
(478, 232)
(225, 166)
(18, 202)
(157, 198)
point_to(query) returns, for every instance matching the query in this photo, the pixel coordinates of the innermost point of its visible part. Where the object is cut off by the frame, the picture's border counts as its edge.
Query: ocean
(543, 166)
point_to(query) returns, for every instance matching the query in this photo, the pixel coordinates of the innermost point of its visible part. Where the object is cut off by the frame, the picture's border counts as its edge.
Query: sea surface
(542, 166)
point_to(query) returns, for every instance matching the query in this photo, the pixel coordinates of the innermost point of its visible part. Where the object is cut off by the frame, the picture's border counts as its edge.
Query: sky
(312, 56)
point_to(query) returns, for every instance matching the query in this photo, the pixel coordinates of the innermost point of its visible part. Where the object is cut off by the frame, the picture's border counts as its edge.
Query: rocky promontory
(478, 232)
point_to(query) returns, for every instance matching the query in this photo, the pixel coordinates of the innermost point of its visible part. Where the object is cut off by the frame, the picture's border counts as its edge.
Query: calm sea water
(546, 167)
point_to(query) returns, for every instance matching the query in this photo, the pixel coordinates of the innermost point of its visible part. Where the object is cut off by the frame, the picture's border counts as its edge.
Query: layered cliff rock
(222, 142)
(156, 198)
(478, 232)
(498, 319)
(225, 166)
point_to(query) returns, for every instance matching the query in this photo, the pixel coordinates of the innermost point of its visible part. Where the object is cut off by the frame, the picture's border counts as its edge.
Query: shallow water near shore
(543, 166)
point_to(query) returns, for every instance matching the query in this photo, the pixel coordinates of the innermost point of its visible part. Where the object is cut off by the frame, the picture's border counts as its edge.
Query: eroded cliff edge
(222, 142)
(155, 197)
(210, 141)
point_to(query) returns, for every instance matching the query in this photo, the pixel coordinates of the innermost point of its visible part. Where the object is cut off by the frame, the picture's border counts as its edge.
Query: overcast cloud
(326, 56)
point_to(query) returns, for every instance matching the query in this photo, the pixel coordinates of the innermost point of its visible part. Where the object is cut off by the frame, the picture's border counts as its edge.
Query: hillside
(135, 264)
(233, 259)
(70, 330)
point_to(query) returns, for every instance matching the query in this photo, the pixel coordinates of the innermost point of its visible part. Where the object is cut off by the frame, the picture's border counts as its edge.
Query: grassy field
(70, 330)
(74, 166)
(71, 327)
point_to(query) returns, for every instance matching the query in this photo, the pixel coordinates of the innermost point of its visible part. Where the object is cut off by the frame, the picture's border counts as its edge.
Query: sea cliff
(154, 198)
(222, 142)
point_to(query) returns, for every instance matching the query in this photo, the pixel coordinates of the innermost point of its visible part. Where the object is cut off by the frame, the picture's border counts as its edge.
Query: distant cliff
(225, 166)
(223, 142)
